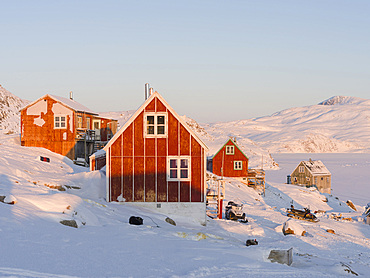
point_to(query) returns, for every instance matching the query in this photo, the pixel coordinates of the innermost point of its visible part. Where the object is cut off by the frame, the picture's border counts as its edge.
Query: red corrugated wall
(137, 165)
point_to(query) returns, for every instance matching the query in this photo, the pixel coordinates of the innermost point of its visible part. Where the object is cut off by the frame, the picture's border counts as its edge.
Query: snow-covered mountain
(9, 111)
(339, 124)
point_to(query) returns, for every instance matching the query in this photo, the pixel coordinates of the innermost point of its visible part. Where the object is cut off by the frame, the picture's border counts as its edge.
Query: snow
(105, 245)
(73, 104)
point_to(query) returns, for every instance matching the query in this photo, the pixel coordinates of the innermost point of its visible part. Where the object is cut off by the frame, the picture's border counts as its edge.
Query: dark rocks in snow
(351, 205)
(331, 231)
(170, 221)
(70, 223)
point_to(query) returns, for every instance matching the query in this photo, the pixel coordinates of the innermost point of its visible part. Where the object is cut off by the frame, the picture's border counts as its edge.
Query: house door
(96, 127)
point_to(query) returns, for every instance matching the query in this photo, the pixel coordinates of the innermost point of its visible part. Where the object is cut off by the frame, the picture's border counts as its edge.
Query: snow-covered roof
(74, 105)
(316, 167)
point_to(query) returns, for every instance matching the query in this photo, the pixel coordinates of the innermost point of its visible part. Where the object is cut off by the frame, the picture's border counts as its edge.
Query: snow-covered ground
(34, 244)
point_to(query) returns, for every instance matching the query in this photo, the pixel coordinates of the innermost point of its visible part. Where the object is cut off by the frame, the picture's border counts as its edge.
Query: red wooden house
(155, 160)
(230, 161)
(64, 126)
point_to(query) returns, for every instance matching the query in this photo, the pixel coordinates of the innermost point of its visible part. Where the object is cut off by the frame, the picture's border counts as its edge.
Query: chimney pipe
(146, 91)
(150, 91)
(71, 95)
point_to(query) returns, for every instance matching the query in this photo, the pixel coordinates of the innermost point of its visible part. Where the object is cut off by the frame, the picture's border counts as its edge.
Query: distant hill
(9, 111)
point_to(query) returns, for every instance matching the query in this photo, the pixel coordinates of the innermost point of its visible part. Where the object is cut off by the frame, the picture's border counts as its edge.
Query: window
(238, 165)
(327, 179)
(307, 178)
(315, 180)
(88, 123)
(79, 121)
(301, 169)
(155, 124)
(178, 168)
(229, 150)
(60, 121)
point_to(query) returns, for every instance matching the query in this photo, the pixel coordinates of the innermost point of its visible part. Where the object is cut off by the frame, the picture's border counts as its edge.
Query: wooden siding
(227, 161)
(322, 182)
(142, 162)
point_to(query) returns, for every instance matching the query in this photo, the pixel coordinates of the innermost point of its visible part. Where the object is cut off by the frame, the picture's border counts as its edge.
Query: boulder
(330, 231)
(9, 199)
(170, 221)
(70, 223)
(292, 227)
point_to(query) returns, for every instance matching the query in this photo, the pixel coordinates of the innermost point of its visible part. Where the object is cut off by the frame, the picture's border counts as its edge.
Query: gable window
(79, 121)
(155, 124)
(301, 169)
(229, 149)
(178, 168)
(238, 165)
(60, 121)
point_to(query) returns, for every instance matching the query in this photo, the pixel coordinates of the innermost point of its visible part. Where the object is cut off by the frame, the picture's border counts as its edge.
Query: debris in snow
(251, 242)
(70, 223)
(135, 220)
(331, 231)
(292, 227)
(351, 205)
(10, 199)
(348, 269)
(281, 256)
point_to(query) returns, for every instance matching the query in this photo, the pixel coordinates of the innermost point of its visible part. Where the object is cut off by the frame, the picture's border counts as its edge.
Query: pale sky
(211, 60)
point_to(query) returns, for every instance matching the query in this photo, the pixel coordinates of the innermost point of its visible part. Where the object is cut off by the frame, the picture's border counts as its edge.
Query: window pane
(173, 174)
(150, 129)
(160, 129)
(57, 119)
(62, 124)
(62, 119)
(184, 163)
(56, 124)
(184, 174)
(160, 120)
(150, 120)
(173, 163)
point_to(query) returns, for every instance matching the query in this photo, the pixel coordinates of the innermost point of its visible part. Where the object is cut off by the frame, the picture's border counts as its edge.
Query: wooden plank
(184, 191)
(149, 146)
(160, 106)
(161, 179)
(116, 147)
(184, 141)
(196, 171)
(161, 147)
(115, 172)
(151, 106)
(127, 178)
(139, 179)
(139, 136)
(173, 136)
(173, 191)
(127, 142)
(150, 179)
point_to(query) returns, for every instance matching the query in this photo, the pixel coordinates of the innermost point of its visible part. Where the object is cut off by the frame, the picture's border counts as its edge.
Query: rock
(330, 231)
(170, 221)
(10, 199)
(292, 227)
(70, 223)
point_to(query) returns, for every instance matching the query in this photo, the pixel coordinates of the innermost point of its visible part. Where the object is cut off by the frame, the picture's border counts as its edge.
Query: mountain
(339, 124)
(9, 111)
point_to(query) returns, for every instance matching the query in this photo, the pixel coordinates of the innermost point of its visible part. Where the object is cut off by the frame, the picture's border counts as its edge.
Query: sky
(211, 60)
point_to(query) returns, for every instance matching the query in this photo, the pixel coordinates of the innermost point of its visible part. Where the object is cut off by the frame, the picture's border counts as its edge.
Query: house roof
(316, 167)
(232, 141)
(141, 108)
(74, 105)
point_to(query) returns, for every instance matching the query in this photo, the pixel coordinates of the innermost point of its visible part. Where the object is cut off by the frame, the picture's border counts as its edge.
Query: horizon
(212, 61)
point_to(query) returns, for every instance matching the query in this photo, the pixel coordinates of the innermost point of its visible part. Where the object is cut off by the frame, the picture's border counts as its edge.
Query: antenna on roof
(71, 95)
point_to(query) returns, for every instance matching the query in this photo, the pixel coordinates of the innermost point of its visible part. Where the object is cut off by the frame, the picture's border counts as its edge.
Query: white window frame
(155, 115)
(238, 165)
(178, 168)
(301, 169)
(60, 121)
(80, 124)
(229, 149)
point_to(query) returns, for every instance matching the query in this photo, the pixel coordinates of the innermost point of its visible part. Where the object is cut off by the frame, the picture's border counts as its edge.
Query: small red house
(230, 161)
(64, 126)
(155, 160)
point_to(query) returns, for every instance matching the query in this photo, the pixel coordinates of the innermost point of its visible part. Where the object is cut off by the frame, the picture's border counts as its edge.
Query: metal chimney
(146, 91)
(150, 91)
(71, 95)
